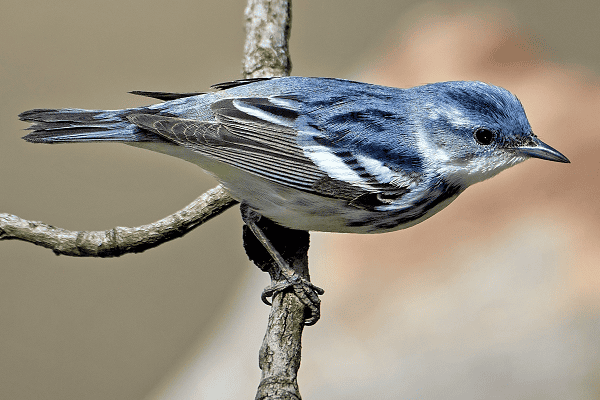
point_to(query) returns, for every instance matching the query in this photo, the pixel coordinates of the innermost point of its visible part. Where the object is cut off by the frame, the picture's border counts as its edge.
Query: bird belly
(298, 209)
(301, 210)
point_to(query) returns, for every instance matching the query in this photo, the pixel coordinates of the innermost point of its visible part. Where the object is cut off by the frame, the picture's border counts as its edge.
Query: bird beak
(541, 150)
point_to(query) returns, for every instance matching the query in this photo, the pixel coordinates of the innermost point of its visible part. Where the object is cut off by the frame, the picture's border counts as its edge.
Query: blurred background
(496, 297)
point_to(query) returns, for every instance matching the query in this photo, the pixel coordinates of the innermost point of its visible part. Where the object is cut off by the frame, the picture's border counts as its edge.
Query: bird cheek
(464, 160)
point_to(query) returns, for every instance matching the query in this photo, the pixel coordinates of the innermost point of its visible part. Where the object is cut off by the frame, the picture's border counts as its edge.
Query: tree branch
(266, 53)
(119, 240)
(280, 353)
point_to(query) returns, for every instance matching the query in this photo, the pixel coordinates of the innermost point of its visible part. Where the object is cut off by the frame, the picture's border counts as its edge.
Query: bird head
(471, 131)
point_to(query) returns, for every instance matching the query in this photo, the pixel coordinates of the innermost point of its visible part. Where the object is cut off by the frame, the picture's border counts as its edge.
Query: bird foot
(307, 292)
(284, 276)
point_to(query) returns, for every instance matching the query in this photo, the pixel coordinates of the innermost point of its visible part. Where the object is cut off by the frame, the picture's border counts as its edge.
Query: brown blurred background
(496, 297)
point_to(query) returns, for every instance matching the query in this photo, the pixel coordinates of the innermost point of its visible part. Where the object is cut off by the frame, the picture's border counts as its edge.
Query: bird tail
(76, 125)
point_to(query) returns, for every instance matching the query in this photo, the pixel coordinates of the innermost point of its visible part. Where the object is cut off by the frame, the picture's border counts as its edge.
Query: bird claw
(307, 292)
(284, 276)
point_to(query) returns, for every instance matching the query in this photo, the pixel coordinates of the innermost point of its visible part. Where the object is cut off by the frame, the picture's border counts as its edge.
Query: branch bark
(266, 51)
(280, 353)
(119, 240)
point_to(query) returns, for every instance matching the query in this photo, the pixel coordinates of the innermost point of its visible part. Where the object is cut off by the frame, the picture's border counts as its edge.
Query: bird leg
(293, 246)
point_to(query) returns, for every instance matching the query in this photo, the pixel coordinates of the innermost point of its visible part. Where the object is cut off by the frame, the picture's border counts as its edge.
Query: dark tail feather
(76, 125)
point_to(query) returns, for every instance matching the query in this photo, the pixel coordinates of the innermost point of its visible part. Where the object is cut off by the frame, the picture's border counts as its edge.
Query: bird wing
(260, 135)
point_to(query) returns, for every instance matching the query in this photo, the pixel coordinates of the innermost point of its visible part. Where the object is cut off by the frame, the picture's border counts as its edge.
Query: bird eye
(484, 136)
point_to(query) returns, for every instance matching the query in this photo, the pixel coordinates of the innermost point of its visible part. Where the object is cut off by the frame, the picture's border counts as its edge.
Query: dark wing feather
(266, 149)
(239, 82)
(164, 96)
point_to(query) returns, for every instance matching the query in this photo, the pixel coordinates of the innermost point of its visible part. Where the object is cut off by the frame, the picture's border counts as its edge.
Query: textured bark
(280, 353)
(279, 357)
(266, 52)
(117, 241)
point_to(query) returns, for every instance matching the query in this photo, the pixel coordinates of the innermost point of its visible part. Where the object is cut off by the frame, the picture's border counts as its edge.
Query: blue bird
(318, 154)
(324, 154)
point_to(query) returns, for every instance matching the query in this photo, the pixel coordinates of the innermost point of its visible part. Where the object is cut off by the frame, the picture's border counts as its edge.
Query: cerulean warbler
(324, 154)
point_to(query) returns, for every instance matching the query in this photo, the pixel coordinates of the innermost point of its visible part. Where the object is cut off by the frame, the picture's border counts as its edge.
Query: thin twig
(117, 241)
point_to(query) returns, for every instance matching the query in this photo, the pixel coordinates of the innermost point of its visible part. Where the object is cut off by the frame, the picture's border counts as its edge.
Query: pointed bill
(541, 150)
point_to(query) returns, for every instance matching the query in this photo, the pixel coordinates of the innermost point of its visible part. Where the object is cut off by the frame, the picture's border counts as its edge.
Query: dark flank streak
(389, 220)
(348, 157)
